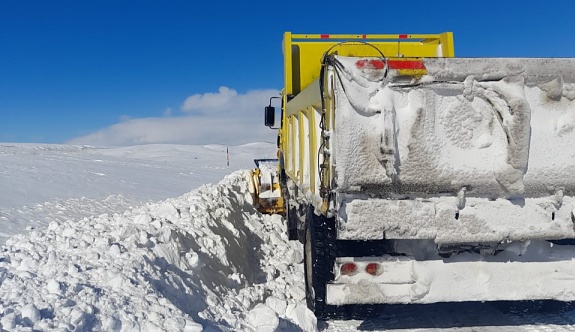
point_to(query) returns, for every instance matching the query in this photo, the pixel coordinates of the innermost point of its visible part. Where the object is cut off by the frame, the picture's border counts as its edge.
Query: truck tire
(319, 259)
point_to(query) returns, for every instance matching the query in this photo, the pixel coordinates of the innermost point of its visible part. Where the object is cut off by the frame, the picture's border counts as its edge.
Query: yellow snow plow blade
(265, 187)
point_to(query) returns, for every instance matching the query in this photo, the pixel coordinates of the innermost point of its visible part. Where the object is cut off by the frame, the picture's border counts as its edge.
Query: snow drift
(204, 261)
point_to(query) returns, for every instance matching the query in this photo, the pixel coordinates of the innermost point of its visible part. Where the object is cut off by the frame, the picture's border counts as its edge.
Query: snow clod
(143, 219)
(263, 318)
(30, 314)
(302, 316)
(277, 305)
(53, 287)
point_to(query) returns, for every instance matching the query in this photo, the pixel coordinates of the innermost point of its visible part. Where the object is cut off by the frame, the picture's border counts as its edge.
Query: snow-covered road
(112, 252)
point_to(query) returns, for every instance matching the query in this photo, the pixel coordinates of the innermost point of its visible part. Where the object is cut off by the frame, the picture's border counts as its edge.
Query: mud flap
(319, 260)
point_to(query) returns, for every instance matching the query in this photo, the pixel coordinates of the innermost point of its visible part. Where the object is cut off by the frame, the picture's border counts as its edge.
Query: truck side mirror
(270, 116)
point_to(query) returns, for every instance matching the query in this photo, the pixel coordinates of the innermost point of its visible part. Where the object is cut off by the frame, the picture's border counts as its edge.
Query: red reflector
(360, 63)
(370, 64)
(348, 268)
(402, 36)
(372, 268)
(363, 36)
(377, 64)
(324, 36)
(405, 64)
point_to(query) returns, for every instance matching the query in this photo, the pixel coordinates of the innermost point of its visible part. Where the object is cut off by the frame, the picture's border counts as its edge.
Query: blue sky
(131, 72)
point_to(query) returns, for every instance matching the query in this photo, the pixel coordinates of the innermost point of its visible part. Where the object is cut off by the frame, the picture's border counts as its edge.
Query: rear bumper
(448, 219)
(540, 271)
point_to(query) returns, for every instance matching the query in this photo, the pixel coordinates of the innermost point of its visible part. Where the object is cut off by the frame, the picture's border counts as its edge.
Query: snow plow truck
(413, 176)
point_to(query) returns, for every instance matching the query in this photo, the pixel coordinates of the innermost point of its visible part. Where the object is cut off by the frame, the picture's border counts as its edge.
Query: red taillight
(377, 64)
(372, 268)
(370, 64)
(348, 268)
(405, 64)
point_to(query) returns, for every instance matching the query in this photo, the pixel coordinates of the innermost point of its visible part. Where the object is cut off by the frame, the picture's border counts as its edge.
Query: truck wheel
(319, 259)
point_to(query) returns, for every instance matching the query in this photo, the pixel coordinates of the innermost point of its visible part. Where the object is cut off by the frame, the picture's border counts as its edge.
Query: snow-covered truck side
(412, 176)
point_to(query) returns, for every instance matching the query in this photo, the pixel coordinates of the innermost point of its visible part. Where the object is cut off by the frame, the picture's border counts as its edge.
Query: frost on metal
(474, 137)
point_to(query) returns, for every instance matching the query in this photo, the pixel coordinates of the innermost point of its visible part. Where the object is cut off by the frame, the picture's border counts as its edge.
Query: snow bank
(204, 261)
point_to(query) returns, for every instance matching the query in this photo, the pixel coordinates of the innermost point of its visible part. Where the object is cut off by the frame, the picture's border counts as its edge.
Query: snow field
(40, 183)
(204, 261)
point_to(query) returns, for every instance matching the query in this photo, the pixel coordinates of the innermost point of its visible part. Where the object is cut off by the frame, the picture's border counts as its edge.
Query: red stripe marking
(405, 64)
(364, 36)
(324, 36)
(402, 36)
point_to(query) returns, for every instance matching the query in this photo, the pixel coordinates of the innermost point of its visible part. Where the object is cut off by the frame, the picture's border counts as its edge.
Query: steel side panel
(301, 144)
(312, 149)
(305, 144)
(290, 154)
(311, 96)
(296, 147)
(317, 144)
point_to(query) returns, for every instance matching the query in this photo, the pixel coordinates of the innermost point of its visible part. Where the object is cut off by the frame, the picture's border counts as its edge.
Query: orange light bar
(408, 67)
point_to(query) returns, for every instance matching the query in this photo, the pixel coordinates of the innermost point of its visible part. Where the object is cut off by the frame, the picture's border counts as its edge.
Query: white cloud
(212, 101)
(225, 117)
